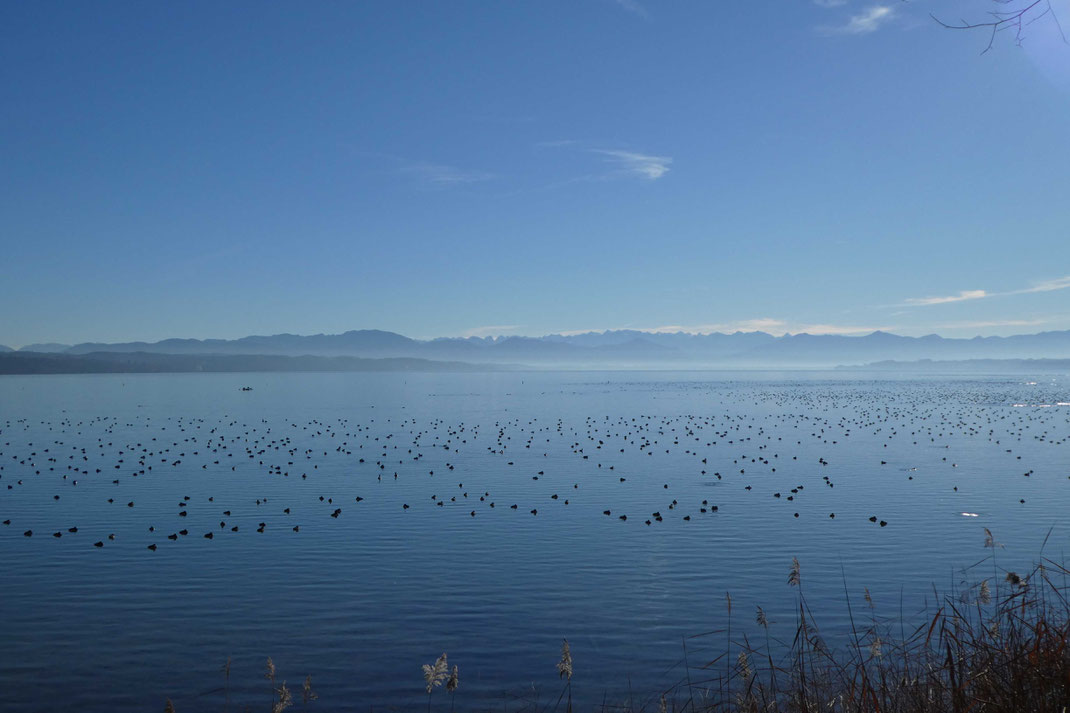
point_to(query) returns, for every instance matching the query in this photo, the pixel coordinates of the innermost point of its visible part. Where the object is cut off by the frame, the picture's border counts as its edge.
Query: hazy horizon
(565, 334)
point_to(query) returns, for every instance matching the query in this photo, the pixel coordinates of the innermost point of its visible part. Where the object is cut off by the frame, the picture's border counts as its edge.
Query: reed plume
(564, 666)
(285, 699)
(434, 675)
(745, 670)
(307, 694)
(793, 575)
(269, 674)
(452, 684)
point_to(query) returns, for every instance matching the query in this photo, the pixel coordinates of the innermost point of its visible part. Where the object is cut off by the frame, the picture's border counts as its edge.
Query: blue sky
(526, 167)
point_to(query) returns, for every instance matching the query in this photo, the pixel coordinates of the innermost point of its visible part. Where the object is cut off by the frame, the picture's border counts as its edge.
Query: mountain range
(615, 349)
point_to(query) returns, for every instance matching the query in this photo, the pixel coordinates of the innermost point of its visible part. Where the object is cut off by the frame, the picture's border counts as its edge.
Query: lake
(363, 524)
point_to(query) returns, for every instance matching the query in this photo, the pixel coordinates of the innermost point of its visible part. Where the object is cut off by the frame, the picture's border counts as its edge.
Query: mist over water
(364, 592)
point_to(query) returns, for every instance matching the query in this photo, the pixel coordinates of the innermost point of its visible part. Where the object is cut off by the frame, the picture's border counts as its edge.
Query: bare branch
(1019, 15)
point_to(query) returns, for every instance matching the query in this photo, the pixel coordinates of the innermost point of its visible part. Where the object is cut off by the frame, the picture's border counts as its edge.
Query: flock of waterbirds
(735, 450)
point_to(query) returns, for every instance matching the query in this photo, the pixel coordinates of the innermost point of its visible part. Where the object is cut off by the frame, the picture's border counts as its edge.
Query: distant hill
(5, 349)
(623, 348)
(49, 347)
(20, 362)
(995, 366)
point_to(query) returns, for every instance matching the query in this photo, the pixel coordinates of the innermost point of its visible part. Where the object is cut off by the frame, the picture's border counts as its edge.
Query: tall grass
(999, 645)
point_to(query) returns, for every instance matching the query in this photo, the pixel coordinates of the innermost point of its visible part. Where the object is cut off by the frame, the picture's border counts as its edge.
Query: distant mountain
(5, 349)
(998, 366)
(21, 362)
(366, 342)
(47, 348)
(622, 348)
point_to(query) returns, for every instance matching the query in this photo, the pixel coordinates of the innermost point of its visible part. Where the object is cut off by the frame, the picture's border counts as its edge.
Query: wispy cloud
(623, 163)
(864, 22)
(490, 330)
(1059, 283)
(636, 164)
(1049, 285)
(442, 175)
(830, 3)
(960, 297)
(633, 7)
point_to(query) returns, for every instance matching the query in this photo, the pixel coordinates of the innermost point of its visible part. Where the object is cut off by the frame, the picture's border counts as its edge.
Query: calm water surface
(361, 599)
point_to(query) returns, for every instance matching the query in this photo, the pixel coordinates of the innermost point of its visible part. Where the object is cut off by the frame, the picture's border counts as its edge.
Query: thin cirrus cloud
(442, 175)
(960, 297)
(863, 23)
(622, 163)
(635, 164)
(1059, 283)
(1050, 285)
(633, 7)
